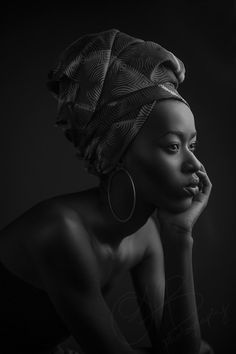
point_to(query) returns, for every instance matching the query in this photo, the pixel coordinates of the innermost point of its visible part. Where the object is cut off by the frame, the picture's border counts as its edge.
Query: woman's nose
(191, 164)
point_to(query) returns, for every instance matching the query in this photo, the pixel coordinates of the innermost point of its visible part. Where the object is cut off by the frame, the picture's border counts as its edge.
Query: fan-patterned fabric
(106, 85)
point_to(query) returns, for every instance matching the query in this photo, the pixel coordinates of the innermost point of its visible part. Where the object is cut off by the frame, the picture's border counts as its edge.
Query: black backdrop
(37, 162)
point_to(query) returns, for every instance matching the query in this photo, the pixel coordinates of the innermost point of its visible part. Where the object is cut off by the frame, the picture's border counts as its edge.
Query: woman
(60, 259)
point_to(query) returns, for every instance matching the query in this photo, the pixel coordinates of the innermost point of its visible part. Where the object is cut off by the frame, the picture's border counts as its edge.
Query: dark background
(37, 162)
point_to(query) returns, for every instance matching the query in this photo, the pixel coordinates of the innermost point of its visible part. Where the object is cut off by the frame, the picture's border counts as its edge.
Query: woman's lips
(191, 190)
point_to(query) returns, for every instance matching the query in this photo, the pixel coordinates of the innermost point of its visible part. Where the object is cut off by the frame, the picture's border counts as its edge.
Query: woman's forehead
(167, 115)
(170, 115)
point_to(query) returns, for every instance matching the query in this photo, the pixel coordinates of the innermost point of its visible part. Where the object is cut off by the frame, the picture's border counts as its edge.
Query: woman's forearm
(180, 330)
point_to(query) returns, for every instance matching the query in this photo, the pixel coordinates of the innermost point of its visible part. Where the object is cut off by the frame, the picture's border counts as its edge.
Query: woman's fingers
(201, 199)
(205, 187)
(202, 168)
(205, 181)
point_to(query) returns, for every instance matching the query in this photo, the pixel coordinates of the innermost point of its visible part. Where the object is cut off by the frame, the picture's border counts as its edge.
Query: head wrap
(106, 85)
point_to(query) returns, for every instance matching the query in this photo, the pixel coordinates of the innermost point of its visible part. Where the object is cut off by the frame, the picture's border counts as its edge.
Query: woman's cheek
(166, 170)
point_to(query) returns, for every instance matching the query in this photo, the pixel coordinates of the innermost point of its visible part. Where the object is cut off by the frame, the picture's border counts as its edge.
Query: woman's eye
(193, 146)
(173, 147)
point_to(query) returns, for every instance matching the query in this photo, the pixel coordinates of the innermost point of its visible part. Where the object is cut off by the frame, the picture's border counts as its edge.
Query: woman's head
(107, 84)
(161, 159)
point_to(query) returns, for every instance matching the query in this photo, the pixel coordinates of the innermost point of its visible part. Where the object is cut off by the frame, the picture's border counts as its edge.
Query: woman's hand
(181, 224)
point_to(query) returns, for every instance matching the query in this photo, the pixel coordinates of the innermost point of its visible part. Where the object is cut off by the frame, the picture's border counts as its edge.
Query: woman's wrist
(177, 240)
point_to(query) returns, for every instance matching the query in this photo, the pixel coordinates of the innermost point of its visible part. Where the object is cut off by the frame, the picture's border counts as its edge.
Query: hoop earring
(121, 168)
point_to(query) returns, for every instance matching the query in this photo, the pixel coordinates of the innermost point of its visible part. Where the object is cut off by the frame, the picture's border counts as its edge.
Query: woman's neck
(104, 225)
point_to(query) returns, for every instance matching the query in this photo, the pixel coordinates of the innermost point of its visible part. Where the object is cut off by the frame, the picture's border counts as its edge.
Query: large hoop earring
(118, 169)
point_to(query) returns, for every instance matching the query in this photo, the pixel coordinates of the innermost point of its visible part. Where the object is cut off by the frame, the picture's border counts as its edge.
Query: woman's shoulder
(50, 231)
(53, 215)
(38, 222)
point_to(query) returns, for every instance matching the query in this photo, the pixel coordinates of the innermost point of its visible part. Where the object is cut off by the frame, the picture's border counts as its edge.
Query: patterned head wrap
(106, 85)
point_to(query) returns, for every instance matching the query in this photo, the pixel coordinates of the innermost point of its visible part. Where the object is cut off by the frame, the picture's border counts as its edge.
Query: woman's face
(161, 157)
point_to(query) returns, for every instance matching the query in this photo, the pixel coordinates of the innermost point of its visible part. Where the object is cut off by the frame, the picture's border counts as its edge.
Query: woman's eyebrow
(179, 133)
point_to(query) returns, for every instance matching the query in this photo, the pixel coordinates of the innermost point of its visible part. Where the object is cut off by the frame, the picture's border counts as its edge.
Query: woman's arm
(172, 321)
(165, 291)
(68, 270)
(180, 330)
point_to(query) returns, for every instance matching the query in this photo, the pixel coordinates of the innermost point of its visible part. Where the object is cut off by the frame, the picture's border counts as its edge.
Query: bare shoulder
(61, 249)
(55, 222)
(43, 234)
(33, 218)
(39, 225)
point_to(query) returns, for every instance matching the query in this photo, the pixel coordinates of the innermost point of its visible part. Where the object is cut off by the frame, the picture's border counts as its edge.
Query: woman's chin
(178, 206)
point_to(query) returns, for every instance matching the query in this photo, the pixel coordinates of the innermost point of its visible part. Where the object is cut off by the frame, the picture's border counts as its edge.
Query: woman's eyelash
(175, 145)
(170, 146)
(194, 144)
